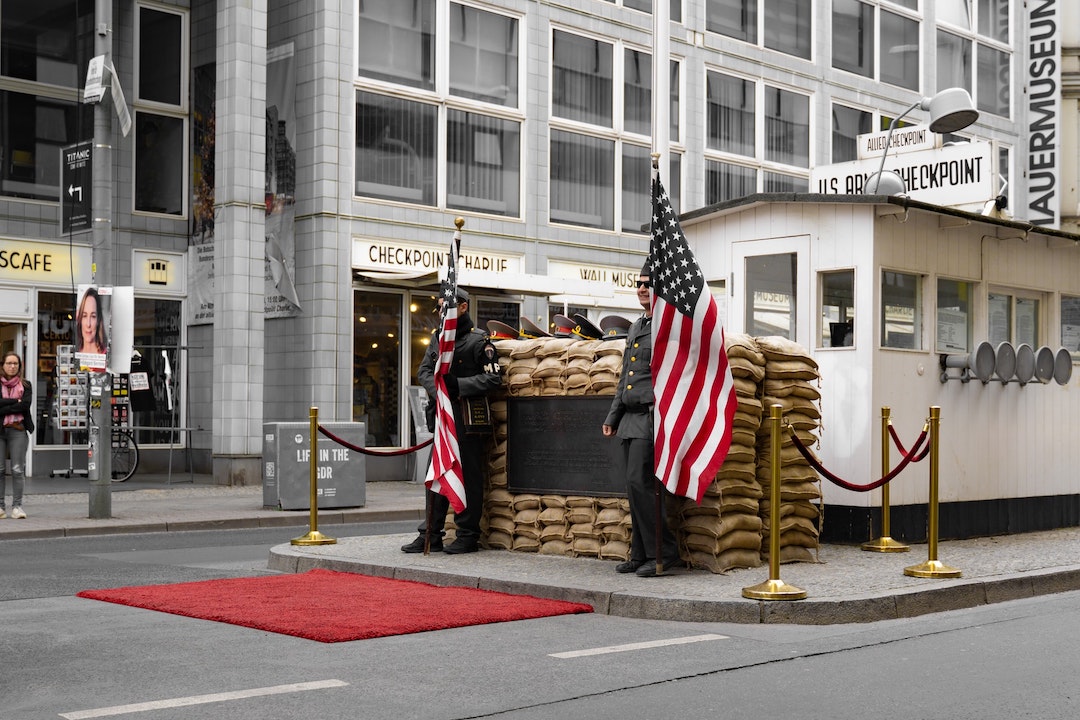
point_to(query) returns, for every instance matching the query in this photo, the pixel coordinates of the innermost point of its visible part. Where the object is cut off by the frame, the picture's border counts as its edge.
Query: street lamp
(951, 110)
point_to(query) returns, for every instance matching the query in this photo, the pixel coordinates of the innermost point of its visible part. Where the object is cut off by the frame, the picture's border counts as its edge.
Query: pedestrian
(17, 409)
(475, 373)
(630, 419)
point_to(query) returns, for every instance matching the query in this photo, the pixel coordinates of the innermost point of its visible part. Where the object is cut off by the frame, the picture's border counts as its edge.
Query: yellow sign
(43, 263)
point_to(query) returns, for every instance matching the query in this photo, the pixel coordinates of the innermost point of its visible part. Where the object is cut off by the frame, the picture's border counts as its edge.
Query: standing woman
(16, 407)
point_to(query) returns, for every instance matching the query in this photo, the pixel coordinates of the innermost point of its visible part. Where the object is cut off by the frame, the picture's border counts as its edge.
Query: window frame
(757, 32)
(880, 52)
(941, 346)
(824, 329)
(918, 322)
(975, 38)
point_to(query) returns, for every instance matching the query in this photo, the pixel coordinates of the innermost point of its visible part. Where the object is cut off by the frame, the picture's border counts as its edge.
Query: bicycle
(125, 454)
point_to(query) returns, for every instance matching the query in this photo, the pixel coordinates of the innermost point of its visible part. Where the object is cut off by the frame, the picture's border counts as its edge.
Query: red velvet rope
(377, 453)
(900, 445)
(851, 486)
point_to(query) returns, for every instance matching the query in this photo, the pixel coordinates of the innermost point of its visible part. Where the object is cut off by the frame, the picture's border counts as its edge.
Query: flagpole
(661, 82)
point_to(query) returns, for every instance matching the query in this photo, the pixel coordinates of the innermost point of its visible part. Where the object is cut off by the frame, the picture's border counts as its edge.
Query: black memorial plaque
(555, 446)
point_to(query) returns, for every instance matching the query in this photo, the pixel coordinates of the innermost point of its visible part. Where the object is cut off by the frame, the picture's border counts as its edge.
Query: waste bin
(341, 473)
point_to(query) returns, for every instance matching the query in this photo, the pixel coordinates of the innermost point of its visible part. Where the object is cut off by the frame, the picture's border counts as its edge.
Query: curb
(648, 606)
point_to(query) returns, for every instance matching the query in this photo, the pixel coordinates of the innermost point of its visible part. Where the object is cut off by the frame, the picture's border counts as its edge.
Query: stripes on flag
(445, 475)
(695, 396)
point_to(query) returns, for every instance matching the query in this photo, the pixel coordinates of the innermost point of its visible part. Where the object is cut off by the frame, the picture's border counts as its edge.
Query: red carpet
(333, 606)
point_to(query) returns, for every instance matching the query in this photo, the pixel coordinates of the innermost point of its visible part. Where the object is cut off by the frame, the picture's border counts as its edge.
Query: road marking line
(202, 699)
(637, 646)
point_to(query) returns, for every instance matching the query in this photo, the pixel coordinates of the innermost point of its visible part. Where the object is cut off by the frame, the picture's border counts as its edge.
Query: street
(67, 657)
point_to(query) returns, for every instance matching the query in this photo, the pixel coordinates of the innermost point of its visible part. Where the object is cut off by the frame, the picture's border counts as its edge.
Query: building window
(725, 181)
(46, 42)
(462, 123)
(785, 25)
(870, 40)
(974, 52)
(1014, 318)
(161, 111)
(396, 42)
(1070, 324)
(158, 328)
(901, 310)
(582, 180)
(581, 79)
(787, 127)
(645, 6)
(730, 113)
(33, 128)
(770, 295)
(954, 321)
(837, 289)
(637, 186)
(847, 125)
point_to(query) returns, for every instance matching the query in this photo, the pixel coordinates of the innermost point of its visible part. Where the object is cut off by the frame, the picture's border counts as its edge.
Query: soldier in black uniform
(631, 420)
(475, 372)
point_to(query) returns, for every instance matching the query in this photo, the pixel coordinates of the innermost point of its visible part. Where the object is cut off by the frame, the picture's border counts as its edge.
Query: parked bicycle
(125, 454)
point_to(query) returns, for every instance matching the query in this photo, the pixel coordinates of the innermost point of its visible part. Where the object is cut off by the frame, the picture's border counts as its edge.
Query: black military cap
(615, 327)
(584, 328)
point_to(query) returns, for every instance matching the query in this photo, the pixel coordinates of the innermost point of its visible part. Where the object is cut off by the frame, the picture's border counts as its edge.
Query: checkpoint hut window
(1014, 317)
(901, 310)
(770, 295)
(954, 322)
(837, 302)
(1070, 325)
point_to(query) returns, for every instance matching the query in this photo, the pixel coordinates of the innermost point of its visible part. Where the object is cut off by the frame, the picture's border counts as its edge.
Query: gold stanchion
(314, 537)
(932, 568)
(774, 588)
(885, 543)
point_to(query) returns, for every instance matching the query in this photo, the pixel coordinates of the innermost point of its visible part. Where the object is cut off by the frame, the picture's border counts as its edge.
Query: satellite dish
(982, 362)
(1004, 362)
(1025, 363)
(1062, 366)
(1044, 364)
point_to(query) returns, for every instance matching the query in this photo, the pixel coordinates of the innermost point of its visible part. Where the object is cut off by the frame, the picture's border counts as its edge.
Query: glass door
(771, 292)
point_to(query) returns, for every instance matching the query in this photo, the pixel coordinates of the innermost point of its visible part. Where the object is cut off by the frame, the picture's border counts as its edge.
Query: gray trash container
(340, 472)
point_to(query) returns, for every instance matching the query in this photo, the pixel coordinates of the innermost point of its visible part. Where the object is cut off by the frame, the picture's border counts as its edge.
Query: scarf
(12, 389)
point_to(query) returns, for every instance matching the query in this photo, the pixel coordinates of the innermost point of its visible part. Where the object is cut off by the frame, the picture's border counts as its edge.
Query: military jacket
(631, 408)
(476, 366)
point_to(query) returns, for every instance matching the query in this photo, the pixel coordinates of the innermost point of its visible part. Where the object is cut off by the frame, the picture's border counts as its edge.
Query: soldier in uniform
(475, 373)
(630, 419)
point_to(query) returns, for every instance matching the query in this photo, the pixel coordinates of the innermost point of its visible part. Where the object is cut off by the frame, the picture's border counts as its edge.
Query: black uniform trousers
(637, 456)
(471, 451)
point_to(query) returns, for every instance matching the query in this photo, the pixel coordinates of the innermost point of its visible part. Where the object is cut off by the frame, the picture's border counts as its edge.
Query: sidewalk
(847, 585)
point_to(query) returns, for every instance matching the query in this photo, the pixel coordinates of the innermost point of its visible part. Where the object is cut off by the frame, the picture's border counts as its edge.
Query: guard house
(907, 304)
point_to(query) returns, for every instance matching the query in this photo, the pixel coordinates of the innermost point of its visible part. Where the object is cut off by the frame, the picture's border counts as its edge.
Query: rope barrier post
(774, 588)
(885, 543)
(932, 568)
(313, 536)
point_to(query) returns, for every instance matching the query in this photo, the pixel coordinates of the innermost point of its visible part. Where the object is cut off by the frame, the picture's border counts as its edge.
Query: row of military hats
(612, 327)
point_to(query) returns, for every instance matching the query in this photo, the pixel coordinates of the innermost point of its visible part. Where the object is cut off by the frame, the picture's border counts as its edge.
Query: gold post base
(931, 569)
(773, 590)
(885, 545)
(314, 538)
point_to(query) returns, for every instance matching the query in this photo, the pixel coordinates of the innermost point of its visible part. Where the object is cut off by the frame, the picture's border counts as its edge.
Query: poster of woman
(104, 328)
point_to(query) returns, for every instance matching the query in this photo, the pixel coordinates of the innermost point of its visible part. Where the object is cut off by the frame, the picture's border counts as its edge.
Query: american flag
(444, 475)
(695, 396)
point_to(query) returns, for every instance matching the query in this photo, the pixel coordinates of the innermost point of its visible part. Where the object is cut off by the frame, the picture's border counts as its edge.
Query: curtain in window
(581, 82)
(787, 127)
(853, 37)
(730, 114)
(482, 163)
(582, 180)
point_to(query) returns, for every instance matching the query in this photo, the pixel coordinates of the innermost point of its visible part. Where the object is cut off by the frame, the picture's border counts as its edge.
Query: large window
(33, 128)
(457, 110)
(784, 25)
(877, 39)
(837, 289)
(847, 125)
(599, 162)
(46, 42)
(901, 310)
(161, 112)
(974, 51)
(1014, 317)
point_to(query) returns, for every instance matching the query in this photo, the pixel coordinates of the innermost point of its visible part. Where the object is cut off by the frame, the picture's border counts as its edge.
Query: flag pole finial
(655, 160)
(459, 222)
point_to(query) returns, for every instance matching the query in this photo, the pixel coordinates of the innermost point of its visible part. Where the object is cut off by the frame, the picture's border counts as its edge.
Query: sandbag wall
(729, 529)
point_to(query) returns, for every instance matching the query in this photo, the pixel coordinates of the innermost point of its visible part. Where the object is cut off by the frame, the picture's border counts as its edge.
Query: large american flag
(444, 475)
(695, 396)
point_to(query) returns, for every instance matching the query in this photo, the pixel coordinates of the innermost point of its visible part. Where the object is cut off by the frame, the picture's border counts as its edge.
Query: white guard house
(885, 292)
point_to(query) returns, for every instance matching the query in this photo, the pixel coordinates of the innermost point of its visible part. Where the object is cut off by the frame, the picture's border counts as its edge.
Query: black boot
(417, 545)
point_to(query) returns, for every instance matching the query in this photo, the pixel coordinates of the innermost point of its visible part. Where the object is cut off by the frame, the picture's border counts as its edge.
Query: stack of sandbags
(581, 515)
(606, 367)
(526, 522)
(791, 379)
(498, 521)
(518, 363)
(724, 531)
(613, 522)
(550, 369)
(555, 536)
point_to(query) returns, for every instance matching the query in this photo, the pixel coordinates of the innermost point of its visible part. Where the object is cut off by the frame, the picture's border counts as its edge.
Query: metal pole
(933, 568)
(885, 543)
(774, 588)
(99, 460)
(313, 536)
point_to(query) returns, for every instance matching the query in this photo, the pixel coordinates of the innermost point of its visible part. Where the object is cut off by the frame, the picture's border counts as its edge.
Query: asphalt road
(66, 657)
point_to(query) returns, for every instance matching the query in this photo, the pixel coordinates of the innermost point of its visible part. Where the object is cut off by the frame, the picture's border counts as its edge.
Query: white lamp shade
(951, 110)
(885, 182)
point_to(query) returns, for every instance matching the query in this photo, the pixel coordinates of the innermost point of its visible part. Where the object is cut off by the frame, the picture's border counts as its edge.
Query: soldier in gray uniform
(474, 373)
(630, 419)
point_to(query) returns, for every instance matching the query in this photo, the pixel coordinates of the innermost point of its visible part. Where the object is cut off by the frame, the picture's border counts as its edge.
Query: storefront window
(770, 295)
(377, 361)
(837, 309)
(954, 316)
(485, 310)
(157, 331)
(901, 310)
(55, 328)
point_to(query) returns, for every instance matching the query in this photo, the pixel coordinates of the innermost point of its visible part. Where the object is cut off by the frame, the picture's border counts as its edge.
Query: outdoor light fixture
(951, 110)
